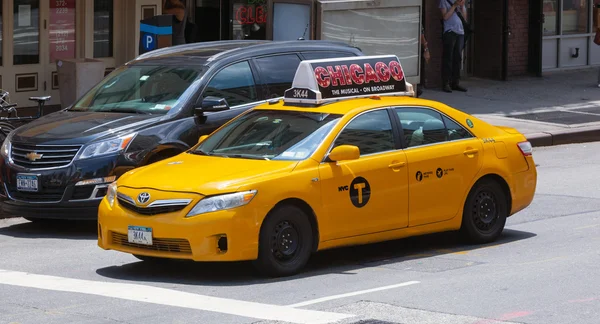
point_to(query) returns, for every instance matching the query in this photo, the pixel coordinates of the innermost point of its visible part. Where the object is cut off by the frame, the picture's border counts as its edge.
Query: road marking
(360, 292)
(169, 297)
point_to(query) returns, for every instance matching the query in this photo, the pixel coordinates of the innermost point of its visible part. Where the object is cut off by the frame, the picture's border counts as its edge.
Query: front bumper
(58, 196)
(230, 235)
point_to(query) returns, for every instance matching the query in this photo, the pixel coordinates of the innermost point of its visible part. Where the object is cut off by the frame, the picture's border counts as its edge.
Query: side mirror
(202, 138)
(344, 153)
(211, 104)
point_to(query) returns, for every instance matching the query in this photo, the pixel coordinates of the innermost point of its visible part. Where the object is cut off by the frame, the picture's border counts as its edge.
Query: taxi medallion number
(27, 182)
(139, 235)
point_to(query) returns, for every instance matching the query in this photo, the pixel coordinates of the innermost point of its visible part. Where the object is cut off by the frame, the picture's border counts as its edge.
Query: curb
(561, 137)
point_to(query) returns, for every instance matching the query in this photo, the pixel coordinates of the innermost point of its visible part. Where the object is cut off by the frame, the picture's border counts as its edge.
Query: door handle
(471, 151)
(397, 165)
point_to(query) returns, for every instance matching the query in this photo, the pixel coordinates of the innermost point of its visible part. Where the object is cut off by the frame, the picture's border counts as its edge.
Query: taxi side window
(422, 126)
(371, 132)
(425, 126)
(235, 83)
(277, 72)
(455, 131)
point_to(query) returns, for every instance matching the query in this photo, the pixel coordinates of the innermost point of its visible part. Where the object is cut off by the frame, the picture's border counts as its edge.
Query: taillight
(525, 148)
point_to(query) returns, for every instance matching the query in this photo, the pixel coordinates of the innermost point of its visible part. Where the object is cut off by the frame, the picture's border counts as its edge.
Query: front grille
(179, 246)
(46, 195)
(51, 156)
(149, 211)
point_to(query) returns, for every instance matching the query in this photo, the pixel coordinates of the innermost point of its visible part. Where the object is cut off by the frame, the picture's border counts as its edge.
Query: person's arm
(463, 8)
(447, 12)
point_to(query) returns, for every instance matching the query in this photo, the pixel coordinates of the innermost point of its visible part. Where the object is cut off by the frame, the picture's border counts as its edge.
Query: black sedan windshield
(269, 134)
(142, 89)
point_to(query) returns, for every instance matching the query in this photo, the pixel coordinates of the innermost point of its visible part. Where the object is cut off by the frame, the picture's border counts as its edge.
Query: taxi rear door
(443, 160)
(369, 194)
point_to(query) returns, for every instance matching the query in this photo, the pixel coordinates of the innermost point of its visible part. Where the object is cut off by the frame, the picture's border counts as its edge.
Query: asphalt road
(543, 270)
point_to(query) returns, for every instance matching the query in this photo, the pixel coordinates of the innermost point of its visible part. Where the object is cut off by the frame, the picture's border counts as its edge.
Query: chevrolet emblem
(32, 156)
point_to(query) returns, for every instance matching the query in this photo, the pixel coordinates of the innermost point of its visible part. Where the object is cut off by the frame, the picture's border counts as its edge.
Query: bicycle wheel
(5, 129)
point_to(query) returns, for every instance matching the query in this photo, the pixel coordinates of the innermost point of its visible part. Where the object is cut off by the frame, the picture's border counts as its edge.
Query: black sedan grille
(43, 156)
(47, 195)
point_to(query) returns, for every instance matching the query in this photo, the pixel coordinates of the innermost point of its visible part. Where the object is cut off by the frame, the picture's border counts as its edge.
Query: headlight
(222, 202)
(5, 150)
(111, 146)
(111, 194)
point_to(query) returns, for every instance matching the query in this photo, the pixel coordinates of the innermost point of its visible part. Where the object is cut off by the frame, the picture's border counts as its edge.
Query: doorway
(43, 33)
(487, 51)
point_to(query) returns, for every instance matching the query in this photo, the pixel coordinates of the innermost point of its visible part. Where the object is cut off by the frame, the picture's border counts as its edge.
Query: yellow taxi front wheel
(485, 212)
(285, 242)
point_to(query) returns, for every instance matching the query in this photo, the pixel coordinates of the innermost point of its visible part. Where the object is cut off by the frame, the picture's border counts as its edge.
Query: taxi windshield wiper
(200, 152)
(243, 156)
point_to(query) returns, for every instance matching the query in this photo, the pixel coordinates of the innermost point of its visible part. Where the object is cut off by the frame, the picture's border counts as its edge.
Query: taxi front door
(443, 160)
(370, 194)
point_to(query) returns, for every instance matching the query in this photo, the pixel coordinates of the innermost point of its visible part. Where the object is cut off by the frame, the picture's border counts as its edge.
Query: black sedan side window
(277, 72)
(235, 83)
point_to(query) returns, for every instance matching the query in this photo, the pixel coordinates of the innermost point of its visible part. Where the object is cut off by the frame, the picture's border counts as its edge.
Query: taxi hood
(205, 175)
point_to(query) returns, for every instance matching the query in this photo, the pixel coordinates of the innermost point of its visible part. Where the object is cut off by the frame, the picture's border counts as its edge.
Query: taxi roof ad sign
(319, 81)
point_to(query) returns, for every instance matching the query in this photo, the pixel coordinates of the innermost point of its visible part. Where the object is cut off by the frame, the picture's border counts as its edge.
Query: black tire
(485, 212)
(285, 242)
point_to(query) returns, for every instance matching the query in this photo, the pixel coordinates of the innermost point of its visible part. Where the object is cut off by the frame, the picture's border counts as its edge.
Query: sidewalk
(558, 108)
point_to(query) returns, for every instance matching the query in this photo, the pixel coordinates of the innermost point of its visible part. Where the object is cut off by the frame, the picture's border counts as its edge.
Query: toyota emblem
(143, 198)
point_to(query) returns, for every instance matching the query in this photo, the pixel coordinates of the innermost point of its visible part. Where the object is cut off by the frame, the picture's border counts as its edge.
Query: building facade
(512, 37)
(36, 34)
(518, 37)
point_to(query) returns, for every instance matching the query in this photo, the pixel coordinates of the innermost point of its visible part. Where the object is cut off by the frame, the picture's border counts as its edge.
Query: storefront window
(550, 17)
(103, 28)
(62, 30)
(26, 32)
(291, 21)
(249, 19)
(575, 17)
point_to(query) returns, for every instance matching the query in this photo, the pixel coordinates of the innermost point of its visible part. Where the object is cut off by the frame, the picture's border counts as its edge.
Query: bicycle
(10, 123)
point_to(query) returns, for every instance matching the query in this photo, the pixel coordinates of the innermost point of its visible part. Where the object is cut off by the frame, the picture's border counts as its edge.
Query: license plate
(27, 182)
(139, 235)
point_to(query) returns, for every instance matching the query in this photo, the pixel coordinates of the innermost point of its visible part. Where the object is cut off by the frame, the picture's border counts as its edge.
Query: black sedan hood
(67, 128)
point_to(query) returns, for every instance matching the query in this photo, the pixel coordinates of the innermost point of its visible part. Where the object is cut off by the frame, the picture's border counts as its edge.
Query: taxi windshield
(141, 89)
(270, 135)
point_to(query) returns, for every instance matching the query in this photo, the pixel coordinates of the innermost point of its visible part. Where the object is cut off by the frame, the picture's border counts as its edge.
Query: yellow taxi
(348, 156)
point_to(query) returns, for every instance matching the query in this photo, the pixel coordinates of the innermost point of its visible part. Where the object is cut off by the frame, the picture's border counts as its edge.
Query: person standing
(177, 9)
(453, 39)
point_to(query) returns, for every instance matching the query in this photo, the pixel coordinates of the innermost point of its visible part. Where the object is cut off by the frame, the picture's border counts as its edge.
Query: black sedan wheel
(285, 242)
(485, 212)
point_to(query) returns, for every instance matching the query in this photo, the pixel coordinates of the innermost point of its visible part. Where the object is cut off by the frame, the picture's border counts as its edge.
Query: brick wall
(518, 41)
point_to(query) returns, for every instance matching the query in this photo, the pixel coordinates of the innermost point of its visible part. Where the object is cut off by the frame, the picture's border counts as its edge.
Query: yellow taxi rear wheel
(285, 242)
(485, 212)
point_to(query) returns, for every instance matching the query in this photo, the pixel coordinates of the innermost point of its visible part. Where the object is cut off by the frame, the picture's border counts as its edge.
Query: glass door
(24, 70)
(62, 41)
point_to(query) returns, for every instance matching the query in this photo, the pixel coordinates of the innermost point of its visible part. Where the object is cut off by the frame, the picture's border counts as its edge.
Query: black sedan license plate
(27, 182)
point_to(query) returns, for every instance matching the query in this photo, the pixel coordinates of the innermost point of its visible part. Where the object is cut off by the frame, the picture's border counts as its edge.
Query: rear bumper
(524, 186)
